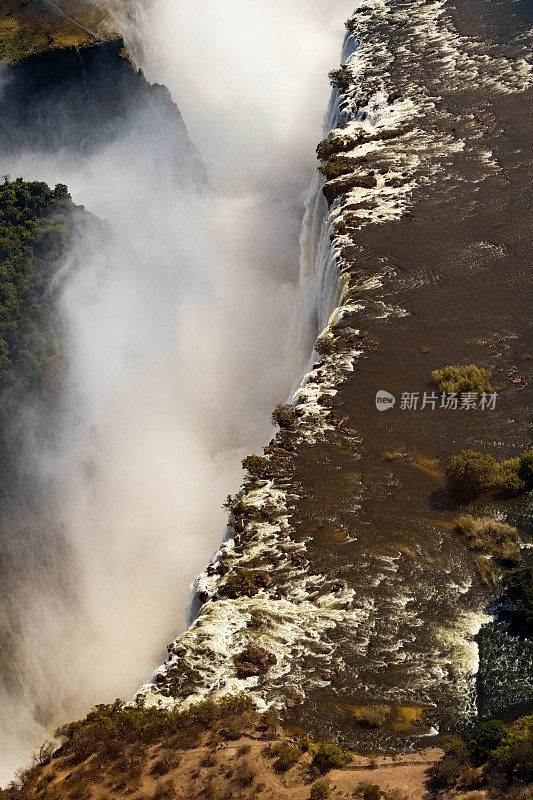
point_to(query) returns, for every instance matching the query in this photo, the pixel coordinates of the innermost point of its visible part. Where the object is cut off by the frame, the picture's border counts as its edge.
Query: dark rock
(334, 189)
(254, 661)
(245, 584)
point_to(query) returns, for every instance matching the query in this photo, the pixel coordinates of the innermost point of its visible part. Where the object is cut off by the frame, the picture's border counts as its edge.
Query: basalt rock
(254, 661)
(334, 189)
(245, 584)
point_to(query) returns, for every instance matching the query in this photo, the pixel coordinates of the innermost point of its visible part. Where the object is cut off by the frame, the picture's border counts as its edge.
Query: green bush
(320, 790)
(514, 754)
(285, 416)
(330, 756)
(485, 738)
(36, 232)
(472, 474)
(462, 379)
(140, 725)
(371, 792)
(165, 790)
(341, 78)
(338, 166)
(372, 716)
(287, 756)
(334, 144)
(490, 535)
(499, 748)
(257, 466)
(519, 586)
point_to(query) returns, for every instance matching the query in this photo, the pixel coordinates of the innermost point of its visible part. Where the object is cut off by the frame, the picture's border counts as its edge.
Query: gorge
(344, 597)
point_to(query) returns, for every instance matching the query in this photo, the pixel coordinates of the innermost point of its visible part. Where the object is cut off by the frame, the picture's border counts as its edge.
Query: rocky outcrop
(336, 188)
(79, 99)
(254, 661)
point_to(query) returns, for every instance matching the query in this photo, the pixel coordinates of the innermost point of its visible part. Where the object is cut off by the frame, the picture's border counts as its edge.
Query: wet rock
(336, 188)
(245, 583)
(254, 661)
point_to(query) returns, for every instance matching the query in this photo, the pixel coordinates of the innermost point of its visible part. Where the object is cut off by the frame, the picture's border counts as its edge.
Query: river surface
(372, 598)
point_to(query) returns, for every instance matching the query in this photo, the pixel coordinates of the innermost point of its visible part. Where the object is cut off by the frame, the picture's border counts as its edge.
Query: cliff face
(32, 27)
(79, 99)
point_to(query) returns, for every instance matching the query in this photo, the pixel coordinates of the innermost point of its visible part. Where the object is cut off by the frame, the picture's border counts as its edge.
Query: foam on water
(405, 133)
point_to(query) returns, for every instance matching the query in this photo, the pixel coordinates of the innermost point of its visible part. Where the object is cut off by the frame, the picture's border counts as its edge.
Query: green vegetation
(320, 790)
(371, 792)
(334, 144)
(487, 570)
(372, 716)
(257, 466)
(36, 232)
(504, 750)
(340, 165)
(490, 535)
(472, 474)
(330, 756)
(462, 379)
(287, 756)
(285, 416)
(325, 345)
(141, 725)
(341, 78)
(519, 587)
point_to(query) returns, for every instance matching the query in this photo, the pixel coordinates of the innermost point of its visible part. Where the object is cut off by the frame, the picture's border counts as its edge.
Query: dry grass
(485, 567)
(490, 536)
(372, 716)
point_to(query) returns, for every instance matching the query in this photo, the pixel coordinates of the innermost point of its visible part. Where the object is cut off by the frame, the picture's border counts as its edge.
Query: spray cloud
(176, 331)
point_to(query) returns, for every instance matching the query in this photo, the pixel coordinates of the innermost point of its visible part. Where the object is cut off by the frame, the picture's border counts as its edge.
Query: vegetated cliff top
(28, 27)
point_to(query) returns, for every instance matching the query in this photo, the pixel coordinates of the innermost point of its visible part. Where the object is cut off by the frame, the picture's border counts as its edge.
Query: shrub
(287, 756)
(485, 738)
(462, 379)
(165, 790)
(490, 535)
(167, 761)
(270, 719)
(325, 345)
(338, 166)
(332, 145)
(257, 466)
(285, 416)
(341, 78)
(330, 756)
(487, 572)
(371, 791)
(519, 586)
(320, 790)
(525, 470)
(448, 771)
(373, 716)
(471, 474)
(514, 754)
